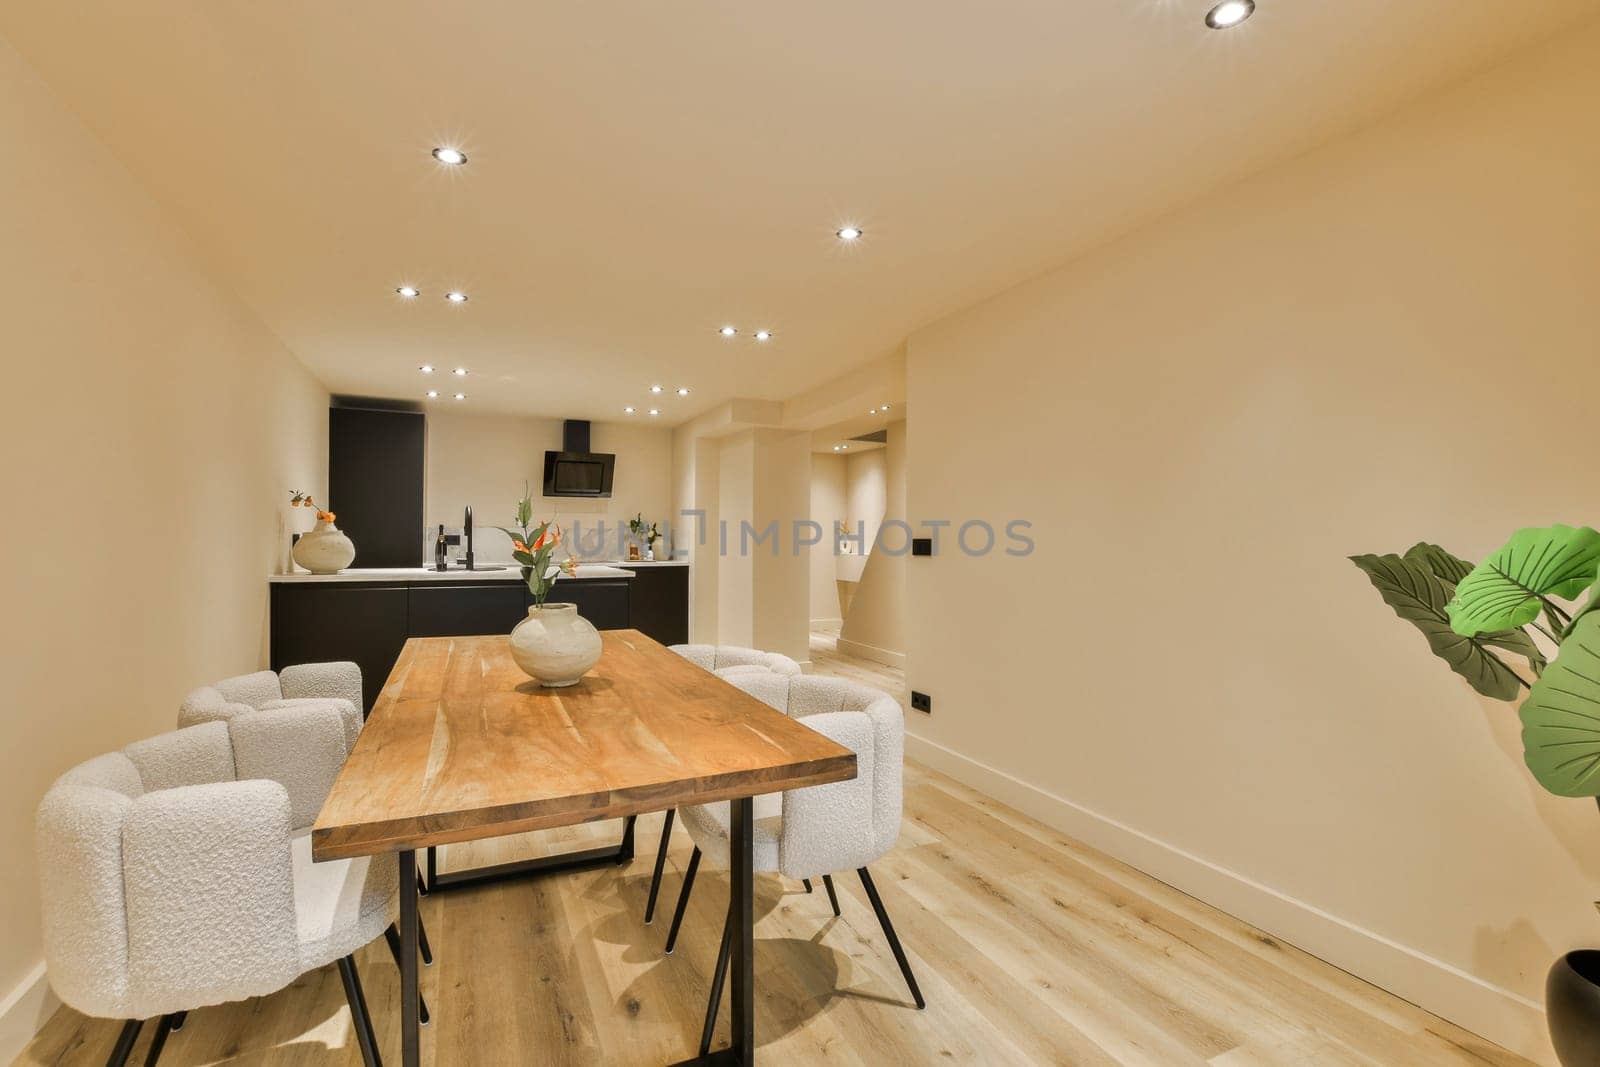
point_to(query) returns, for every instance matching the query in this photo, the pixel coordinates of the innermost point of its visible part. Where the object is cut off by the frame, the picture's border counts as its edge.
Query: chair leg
(392, 936)
(422, 944)
(807, 883)
(159, 1041)
(365, 1038)
(833, 898)
(683, 898)
(717, 978)
(894, 942)
(124, 1045)
(422, 884)
(661, 863)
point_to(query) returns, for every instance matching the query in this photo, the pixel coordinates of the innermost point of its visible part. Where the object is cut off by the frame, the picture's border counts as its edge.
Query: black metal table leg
(741, 921)
(620, 853)
(410, 1035)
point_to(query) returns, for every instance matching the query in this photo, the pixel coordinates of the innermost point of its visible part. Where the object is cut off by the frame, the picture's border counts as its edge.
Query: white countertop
(414, 575)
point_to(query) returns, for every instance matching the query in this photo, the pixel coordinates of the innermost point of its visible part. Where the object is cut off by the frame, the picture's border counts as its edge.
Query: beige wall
(827, 509)
(154, 431)
(1383, 341)
(875, 625)
(865, 493)
(483, 460)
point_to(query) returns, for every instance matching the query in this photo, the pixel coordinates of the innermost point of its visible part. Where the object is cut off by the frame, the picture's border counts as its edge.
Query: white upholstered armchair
(177, 873)
(727, 661)
(265, 690)
(803, 833)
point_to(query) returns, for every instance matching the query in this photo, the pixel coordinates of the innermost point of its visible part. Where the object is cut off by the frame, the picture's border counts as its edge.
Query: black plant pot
(1572, 1007)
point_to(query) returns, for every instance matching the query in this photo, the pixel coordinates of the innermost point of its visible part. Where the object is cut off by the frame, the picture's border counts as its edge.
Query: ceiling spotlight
(461, 396)
(727, 331)
(433, 394)
(849, 233)
(426, 368)
(655, 411)
(627, 411)
(655, 388)
(763, 335)
(456, 297)
(683, 392)
(886, 407)
(408, 291)
(836, 448)
(1230, 13)
(452, 157)
(460, 372)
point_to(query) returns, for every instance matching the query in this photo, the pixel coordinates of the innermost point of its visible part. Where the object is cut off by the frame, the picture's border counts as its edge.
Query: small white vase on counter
(324, 550)
(555, 645)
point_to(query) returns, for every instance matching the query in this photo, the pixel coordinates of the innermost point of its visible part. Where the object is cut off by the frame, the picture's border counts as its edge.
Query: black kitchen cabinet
(660, 602)
(439, 610)
(315, 622)
(603, 601)
(375, 483)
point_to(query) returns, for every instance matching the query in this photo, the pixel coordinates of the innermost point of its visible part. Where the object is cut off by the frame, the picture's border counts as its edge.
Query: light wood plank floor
(1030, 948)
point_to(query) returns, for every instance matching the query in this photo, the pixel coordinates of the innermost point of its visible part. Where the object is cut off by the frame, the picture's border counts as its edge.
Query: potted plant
(554, 644)
(1481, 620)
(325, 549)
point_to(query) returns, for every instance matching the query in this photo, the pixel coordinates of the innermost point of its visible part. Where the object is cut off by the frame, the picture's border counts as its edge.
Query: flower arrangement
(533, 546)
(303, 500)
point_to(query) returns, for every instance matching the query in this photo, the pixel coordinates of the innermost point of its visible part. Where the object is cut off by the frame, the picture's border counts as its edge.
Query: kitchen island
(366, 614)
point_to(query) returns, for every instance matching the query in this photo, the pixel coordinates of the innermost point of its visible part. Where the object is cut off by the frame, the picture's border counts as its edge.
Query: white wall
(155, 431)
(1392, 338)
(828, 508)
(483, 460)
(866, 493)
(875, 625)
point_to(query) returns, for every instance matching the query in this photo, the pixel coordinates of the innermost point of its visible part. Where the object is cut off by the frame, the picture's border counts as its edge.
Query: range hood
(576, 471)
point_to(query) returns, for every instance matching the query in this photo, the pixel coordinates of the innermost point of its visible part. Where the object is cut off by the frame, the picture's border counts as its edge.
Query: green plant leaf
(1509, 587)
(1519, 642)
(1445, 567)
(1418, 597)
(1561, 717)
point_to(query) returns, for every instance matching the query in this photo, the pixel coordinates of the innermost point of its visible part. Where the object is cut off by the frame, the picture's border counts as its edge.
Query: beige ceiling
(643, 171)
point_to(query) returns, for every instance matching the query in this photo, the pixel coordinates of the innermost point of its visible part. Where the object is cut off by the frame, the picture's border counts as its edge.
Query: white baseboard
(872, 652)
(24, 1011)
(1504, 1017)
(823, 624)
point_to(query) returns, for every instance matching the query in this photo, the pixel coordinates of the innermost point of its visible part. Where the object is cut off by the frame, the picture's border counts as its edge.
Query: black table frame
(622, 852)
(741, 908)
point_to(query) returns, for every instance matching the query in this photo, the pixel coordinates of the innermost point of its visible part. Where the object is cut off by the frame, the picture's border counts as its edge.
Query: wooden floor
(1030, 948)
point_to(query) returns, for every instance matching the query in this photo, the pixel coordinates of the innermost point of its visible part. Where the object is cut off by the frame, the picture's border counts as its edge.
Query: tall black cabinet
(375, 482)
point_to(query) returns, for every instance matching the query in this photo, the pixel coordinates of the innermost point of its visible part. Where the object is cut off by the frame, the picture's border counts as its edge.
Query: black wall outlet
(922, 546)
(922, 702)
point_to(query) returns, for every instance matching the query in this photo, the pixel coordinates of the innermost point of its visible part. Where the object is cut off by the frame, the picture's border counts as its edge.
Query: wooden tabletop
(462, 745)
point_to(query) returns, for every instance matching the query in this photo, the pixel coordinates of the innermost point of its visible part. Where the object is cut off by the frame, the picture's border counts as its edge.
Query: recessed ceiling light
(849, 233)
(426, 368)
(461, 396)
(727, 331)
(763, 335)
(627, 411)
(836, 448)
(408, 291)
(683, 392)
(452, 157)
(655, 388)
(886, 407)
(460, 372)
(1230, 13)
(456, 297)
(655, 411)
(433, 394)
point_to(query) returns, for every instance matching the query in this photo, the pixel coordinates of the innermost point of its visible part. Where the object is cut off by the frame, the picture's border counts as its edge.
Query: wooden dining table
(463, 745)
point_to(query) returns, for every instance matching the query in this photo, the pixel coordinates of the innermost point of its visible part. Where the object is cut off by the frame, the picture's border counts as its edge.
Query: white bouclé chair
(726, 661)
(265, 690)
(177, 873)
(803, 833)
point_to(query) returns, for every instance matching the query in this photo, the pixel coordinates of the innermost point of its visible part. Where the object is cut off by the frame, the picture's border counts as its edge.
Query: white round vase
(324, 550)
(555, 645)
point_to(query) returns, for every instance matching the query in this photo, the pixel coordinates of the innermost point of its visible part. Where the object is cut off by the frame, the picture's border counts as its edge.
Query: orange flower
(326, 516)
(518, 545)
(551, 536)
(571, 566)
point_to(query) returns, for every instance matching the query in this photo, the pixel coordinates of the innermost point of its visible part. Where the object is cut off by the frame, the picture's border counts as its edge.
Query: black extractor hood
(576, 471)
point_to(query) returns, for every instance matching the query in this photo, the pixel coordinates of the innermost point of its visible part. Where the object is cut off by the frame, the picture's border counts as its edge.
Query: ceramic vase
(555, 645)
(324, 550)
(1572, 1007)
